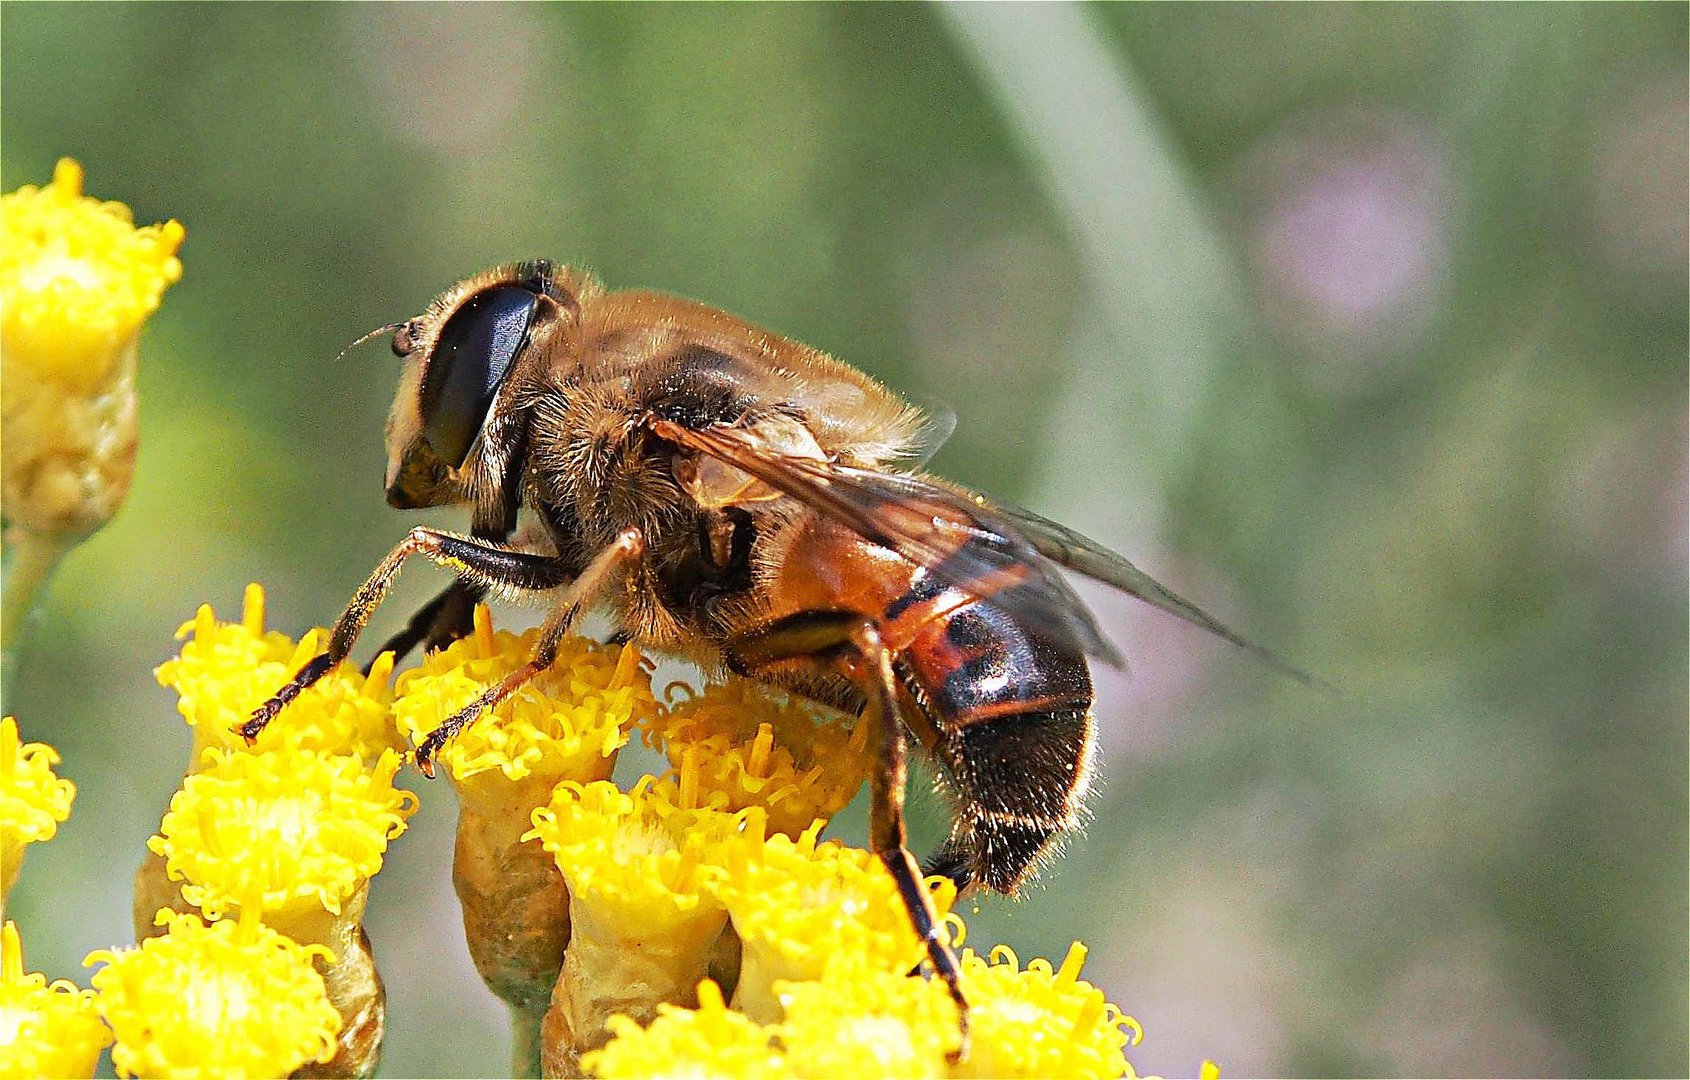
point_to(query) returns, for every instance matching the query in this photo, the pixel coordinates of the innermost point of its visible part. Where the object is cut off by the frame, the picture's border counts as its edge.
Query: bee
(750, 504)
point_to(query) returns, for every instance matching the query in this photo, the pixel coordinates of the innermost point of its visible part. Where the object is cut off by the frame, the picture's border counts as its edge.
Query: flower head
(566, 723)
(709, 1041)
(77, 277)
(798, 903)
(644, 917)
(32, 800)
(223, 999)
(226, 670)
(642, 859)
(1040, 1021)
(761, 746)
(77, 280)
(859, 1020)
(281, 830)
(46, 1028)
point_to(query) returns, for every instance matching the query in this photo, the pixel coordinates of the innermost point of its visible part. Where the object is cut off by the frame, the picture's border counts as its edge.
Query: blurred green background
(1364, 326)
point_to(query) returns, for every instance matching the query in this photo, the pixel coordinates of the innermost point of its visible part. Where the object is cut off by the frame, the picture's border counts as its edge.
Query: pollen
(1040, 1021)
(709, 1041)
(224, 999)
(283, 830)
(227, 669)
(760, 746)
(46, 1028)
(568, 722)
(797, 903)
(77, 279)
(32, 799)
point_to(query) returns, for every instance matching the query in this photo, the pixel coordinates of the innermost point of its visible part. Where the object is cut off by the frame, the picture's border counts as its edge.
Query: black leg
(438, 623)
(825, 638)
(481, 563)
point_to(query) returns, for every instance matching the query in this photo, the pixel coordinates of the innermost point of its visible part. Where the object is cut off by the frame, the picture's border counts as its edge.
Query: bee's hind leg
(823, 638)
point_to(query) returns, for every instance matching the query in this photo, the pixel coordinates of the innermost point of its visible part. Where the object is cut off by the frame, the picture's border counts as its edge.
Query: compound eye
(474, 350)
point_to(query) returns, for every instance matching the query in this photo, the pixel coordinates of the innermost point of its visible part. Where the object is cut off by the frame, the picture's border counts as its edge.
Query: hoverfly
(746, 502)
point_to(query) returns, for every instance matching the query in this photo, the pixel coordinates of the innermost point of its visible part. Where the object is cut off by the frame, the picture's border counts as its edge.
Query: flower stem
(29, 561)
(525, 1042)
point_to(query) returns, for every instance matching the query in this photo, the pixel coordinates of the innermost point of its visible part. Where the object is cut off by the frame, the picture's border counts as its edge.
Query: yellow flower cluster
(288, 832)
(567, 724)
(859, 1019)
(682, 885)
(669, 928)
(216, 999)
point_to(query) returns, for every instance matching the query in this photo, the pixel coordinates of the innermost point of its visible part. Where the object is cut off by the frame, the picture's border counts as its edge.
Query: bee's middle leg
(824, 638)
(627, 547)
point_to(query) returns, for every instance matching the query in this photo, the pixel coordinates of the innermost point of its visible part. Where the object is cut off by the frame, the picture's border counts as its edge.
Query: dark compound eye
(474, 350)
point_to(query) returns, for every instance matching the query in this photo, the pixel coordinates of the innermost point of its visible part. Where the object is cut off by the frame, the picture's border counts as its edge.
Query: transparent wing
(1000, 553)
(1081, 554)
(958, 537)
(938, 423)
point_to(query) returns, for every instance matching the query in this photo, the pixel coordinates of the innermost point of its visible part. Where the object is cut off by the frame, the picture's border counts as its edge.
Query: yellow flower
(77, 280)
(32, 800)
(638, 861)
(220, 1000)
(286, 830)
(796, 904)
(761, 746)
(226, 670)
(709, 1041)
(1039, 1021)
(860, 1020)
(568, 722)
(643, 913)
(46, 1029)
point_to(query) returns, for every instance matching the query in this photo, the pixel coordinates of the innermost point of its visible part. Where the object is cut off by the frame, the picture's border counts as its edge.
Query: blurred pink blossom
(1349, 234)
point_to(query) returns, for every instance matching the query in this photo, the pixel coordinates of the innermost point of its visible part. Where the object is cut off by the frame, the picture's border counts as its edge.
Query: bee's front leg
(480, 563)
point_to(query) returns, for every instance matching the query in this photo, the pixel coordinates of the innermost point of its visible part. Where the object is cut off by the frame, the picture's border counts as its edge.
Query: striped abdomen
(1010, 716)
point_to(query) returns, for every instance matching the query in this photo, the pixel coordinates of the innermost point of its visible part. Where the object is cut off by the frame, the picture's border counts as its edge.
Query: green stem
(30, 559)
(525, 1043)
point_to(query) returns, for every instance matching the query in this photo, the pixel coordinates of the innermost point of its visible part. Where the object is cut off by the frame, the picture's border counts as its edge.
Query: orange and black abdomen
(1012, 728)
(1004, 711)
